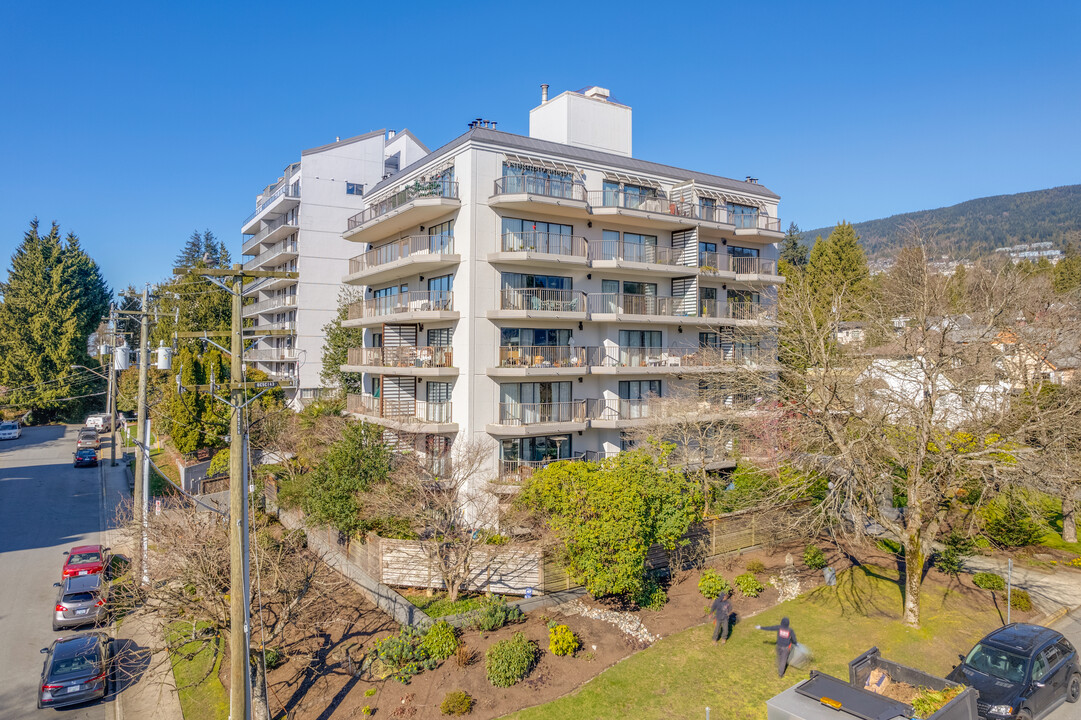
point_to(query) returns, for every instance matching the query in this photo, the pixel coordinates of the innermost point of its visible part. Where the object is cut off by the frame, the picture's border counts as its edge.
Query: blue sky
(134, 124)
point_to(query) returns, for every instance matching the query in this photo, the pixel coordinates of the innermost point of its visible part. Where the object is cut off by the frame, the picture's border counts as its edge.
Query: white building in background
(534, 292)
(296, 226)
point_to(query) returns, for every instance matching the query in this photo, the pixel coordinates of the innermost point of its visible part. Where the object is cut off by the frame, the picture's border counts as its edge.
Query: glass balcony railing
(643, 202)
(755, 221)
(419, 189)
(290, 191)
(564, 189)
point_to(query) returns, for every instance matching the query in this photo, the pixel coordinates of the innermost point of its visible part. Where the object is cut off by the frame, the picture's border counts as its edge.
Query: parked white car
(10, 430)
(99, 422)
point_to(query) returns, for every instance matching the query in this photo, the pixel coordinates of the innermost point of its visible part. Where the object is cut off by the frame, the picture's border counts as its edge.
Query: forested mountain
(977, 227)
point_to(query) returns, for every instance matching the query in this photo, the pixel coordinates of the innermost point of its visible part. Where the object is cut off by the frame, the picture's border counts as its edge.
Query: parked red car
(85, 560)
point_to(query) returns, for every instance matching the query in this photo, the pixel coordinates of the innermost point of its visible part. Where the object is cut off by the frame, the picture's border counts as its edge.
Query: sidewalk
(1051, 592)
(145, 685)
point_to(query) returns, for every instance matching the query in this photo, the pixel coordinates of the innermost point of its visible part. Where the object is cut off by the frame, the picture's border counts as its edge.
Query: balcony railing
(270, 304)
(644, 202)
(625, 356)
(745, 310)
(406, 247)
(402, 357)
(566, 189)
(713, 262)
(272, 225)
(413, 301)
(634, 252)
(543, 300)
(628, 304)
(271, 354)
(419, 411)
(542, 242)
(753, 221)
(285, 246)
(426, 189)
(289, 325)
(620, 409)
(544, 356)
(572, 411)
(753, 266)
(516, 470)
(712, 213)
(286, 190)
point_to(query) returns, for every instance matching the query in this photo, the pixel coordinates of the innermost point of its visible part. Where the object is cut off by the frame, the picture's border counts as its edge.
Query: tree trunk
(914, 561)
(1069, 522)
(260, 709)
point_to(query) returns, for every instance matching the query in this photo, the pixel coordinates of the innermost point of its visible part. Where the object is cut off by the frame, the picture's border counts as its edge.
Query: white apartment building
(296, 226)
(534, 292)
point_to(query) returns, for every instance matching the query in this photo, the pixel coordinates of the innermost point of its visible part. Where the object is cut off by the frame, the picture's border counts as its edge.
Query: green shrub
(890, 547)
(748, 585)
(508, 661)
(711, 584)
(273, 657)
(652, 596)
(561, 641)
(366, 711)
(441, 641)
(1020, 600)
(494, 613)
(402, 656)
(369, 692)
(988, 581)
(956, 548)
(456, 702)
(756, 567)
(1007, 523)
(219, 464)
(813, 557)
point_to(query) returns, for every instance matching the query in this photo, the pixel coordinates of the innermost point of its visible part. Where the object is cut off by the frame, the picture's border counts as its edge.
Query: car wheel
(1023, 715)
(1073, 688)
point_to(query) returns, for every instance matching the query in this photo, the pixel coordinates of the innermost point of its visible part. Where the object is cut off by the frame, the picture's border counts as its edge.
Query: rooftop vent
(597, 92)
(752, 180)
(482, 123)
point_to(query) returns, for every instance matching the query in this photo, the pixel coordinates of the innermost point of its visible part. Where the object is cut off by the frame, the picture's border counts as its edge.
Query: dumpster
(824, 697)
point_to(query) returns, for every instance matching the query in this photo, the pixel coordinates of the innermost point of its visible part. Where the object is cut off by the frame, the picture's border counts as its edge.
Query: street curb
(1053, 617)
(112, 709)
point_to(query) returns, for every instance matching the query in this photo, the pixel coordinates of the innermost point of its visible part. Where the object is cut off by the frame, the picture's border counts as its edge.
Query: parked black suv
(1021, 671)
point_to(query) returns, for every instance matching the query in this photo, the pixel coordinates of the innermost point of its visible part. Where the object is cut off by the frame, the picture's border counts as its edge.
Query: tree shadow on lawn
(856, 595)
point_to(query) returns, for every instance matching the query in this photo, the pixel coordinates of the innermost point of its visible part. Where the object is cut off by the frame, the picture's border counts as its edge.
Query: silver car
(81, 601)
(88, 438)
(76, 670)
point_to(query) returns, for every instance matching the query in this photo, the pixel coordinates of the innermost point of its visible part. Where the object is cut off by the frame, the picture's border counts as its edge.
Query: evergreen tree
(224, 258)
(793, 251)
(192, 252)
(54, 298)
(1066, 276)
(211, 255)
(838, 262)
(337, 344)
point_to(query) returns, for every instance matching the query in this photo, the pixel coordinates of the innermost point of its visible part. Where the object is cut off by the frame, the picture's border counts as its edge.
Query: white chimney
(390, 134)
(544, 93)
(589, 119)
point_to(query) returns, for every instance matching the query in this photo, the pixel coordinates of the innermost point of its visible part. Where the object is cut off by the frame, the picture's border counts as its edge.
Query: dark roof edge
(620, 161)
(347, 141)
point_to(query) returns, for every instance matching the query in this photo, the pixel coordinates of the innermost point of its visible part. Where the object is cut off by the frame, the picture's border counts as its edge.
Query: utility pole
(144, 367)
(111, 403)
(239, 602)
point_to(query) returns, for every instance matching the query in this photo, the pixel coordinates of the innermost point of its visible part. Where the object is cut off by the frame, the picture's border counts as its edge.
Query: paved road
(1070, 626)
(46, 506)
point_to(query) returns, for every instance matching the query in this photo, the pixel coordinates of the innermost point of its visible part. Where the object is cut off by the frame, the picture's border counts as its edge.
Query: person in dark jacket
(786, 640)
(722, 612)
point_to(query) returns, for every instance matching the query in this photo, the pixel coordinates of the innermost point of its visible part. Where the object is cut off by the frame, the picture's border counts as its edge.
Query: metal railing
(713, 213)
(288, 325)
(544, 356)
(620, 409)
(713, 262)
(419, 189)
(628, 304)
(566, 189)
(263, 258)
(753, 266)
(542, 242)
(634, 252)
(542, 300)
(535, 413)
(755, 221)
(644, 202)
(402, 357)
(420, 411)
(626, 356)
(285, 190)
(251, 241)
(516, 470)
(270, 304)
(412, 301)
(405, 247)
(271, 354)
(745, 310)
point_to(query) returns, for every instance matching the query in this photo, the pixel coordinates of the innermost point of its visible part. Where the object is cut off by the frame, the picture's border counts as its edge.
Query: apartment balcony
(273, 231)
(614, 413)
(540, 304)
(414, 205)
(541, 248)
(285, 379)
(517, 419)
(289, 325)
(408, 415)
(277, 254)
(407, 256)
(656, 309)
(270, 305)
(278, 202)
(643, 210)
(403, 360)
(407, 307)
(532, 194)
(272, 355)
(542, 361)
(757, 225)
(515, 472)
(637, 257)
(743, 269)
(625, 360)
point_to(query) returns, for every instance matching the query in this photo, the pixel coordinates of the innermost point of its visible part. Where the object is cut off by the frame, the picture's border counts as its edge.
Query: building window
(535, 337)
(743, 252)
(440, 337)
(440, 237)
(536, 449)
(354, 188)
(517, 281)
(742, 216)
(707, 208)
(377, 340)
(377, 386)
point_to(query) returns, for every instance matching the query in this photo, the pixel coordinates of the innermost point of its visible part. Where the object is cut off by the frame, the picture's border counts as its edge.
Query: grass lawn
(684, 673)
(438, 606)
(206, 700)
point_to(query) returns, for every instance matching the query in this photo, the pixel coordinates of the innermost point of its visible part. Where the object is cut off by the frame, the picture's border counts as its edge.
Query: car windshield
(7, 426)
(86, 557)
(86, 661)
(1000, 663)
(79, 597)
